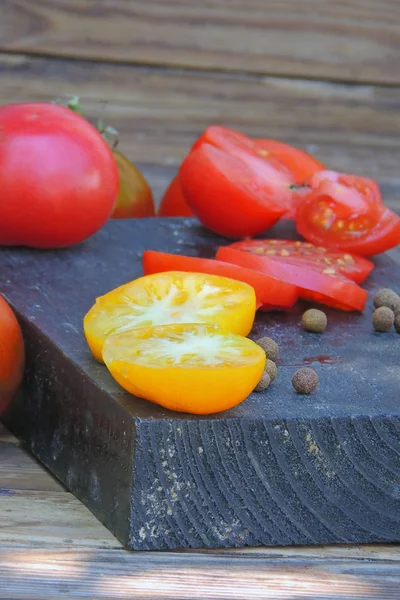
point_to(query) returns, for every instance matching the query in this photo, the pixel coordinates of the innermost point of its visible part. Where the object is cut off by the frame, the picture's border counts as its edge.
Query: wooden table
(322, 75)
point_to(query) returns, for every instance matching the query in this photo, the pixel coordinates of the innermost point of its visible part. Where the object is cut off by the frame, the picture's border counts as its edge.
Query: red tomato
(302, 165)
(305, 254)
(173, 204)
(269, 290)
(346, 212)
(58, 177)
(333, 290)
(11, 355)
(231, 196)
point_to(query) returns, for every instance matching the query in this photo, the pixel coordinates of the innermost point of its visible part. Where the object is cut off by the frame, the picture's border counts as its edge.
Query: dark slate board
(278, 469)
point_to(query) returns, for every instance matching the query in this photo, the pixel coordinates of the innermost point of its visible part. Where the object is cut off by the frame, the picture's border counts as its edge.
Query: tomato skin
(58, 177)
(300, 163)
(173, 204)
(269, 291)
(196, 386)
(355, 268)
(228, 196)
(135, 199)
(12, 355)
(338, 292)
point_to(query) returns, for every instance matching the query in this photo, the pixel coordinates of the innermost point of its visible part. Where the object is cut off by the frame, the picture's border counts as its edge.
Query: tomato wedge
(305, 254)
(333, 290)
(232, 197)
(173, 297)
(191, 368)
(300, 163)
(173, 204)
(270, 292)
(346, 212)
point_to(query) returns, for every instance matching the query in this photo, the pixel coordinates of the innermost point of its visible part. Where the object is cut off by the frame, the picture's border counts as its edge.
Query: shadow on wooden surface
(353, 41)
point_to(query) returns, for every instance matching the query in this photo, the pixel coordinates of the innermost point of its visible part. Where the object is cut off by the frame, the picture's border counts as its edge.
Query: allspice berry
(314, 320)
(397, 323)
(270, 348)
(271, 369)
(383, 319)
(263, 383)
(305, 380)
(387, 297)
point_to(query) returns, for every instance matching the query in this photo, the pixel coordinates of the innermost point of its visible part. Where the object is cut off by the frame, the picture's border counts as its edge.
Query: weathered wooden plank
(50, 574)
(20, 471)
(324, 469)
(49, 518)
(159, 113)
(357, 41)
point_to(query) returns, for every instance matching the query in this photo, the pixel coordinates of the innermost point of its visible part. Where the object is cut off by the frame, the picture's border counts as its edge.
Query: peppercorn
(314, 320)
(271, 369)
(270, 348)
(383, 319)
(305, 380)
(263, 383)
(397, 323)
(387, 297)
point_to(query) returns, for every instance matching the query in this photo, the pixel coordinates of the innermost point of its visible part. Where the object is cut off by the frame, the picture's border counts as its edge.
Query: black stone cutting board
(278, 469)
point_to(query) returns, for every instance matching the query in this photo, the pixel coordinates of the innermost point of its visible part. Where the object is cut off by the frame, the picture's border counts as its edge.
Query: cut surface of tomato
(191, 368)
(305, 254)
(300, 163)
(269, 291)
(331, 289)
(173, 297)
(173, 204)
(346, 212)
(231, 197)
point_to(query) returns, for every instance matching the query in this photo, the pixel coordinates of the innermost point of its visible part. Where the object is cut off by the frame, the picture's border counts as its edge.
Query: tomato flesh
(305, 254)
(346, 212)
(231, 197)
(173, 297)
(193, 368)
(331, 289)
(58, 177)
(301, 164)
(269, 290)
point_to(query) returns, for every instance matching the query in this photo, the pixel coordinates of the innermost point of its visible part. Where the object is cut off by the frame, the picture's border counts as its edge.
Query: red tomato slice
(346, 212)
(173, 204)
(270, 291)
(332, 290)
(305, 254)
(231, 197)
(300, 163)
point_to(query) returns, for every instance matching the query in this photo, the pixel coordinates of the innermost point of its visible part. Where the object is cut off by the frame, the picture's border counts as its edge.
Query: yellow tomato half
(135, 199)
(171, 297)
(191, 368)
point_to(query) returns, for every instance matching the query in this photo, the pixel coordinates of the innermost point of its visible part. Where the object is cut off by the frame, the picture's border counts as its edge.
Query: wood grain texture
(55, 574)
(275, 470)
(356, 41)
(159, 113)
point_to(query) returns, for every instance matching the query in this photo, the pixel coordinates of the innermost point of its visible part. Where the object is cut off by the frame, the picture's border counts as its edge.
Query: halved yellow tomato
(193, 368)
(171, 297)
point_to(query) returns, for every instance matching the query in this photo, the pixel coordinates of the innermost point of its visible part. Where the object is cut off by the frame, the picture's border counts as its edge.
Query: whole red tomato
(11, 355)
(58, 177)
